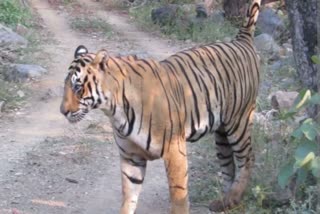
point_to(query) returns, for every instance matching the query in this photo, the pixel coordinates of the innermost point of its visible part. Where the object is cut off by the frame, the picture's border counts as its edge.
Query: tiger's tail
(249, 24)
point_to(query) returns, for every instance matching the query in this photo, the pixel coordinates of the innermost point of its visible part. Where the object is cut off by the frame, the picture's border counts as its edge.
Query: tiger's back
(218, 85)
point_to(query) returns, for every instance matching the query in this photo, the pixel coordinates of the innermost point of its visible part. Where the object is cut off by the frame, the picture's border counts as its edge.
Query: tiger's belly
(131, 147)
(207, 125)
(138, 145)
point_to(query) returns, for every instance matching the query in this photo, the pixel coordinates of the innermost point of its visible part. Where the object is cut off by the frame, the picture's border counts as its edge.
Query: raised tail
(251, 18)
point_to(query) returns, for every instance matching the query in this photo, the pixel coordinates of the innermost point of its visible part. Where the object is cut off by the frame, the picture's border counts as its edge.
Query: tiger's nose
(63, 110)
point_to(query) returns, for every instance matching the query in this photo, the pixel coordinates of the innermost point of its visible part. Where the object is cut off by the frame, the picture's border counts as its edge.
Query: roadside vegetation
(184, 25)
(13, 13)
(19, 18)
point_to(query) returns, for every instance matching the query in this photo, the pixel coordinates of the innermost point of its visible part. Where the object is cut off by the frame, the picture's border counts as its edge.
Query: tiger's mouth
(75, 117)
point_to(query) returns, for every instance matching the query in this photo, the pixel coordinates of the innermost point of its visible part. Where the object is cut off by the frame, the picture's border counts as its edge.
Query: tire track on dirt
(41, 119)
(154, 197)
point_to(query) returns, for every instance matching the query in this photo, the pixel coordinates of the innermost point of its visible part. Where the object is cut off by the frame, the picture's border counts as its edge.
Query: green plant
(305, 137)
(8, 94)
(89, 25)
(12, 13)
(315, 59)
(185, 26)
(66, 2)
(260, 193)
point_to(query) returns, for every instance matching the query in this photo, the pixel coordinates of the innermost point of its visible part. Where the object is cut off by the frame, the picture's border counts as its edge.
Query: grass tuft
(8, 94)
(185, 26)
(12, 13)
(91, 25)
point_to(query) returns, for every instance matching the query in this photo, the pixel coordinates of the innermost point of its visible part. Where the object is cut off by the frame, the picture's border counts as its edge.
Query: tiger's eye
(77, 88)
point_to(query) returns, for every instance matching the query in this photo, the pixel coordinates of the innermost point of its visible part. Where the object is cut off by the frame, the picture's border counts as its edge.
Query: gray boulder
(269, 22)
(165, 15)
(217, 16)
(22, 72)
(283, 100)
(277, 65)
(10, 39)
(201, 11)
(266, 44)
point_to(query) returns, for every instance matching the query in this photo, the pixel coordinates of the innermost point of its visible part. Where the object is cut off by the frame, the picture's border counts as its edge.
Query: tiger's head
(83, 84)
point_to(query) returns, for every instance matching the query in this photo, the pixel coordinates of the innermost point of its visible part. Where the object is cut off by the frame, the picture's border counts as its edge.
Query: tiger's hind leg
(239, 139)
(226, 159)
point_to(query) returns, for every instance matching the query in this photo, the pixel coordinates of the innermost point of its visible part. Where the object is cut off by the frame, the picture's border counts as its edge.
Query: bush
(89, 25)
(185, 26)
(305, 137)
(12, 13)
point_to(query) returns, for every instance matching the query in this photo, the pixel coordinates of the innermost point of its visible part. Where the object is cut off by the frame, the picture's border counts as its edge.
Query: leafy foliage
(305, 159)
(12, 13)
(315, 60)
(185, 26)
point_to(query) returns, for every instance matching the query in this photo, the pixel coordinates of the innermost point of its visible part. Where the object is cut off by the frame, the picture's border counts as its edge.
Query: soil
(50, 166)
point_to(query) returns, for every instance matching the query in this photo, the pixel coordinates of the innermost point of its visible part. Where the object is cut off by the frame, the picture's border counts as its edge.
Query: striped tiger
(156, 106)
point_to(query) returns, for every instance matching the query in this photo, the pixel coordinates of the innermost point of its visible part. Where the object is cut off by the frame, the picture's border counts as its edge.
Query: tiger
(155, 107)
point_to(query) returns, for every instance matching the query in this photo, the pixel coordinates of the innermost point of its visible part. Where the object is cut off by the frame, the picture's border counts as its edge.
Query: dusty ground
(50, 166)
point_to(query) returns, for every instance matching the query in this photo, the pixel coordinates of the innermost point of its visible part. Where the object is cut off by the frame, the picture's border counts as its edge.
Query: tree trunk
(235, 8)
(303, 25)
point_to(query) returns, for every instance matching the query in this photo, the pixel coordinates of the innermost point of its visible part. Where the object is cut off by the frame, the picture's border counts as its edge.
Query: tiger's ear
(101, 56)
(80, 50)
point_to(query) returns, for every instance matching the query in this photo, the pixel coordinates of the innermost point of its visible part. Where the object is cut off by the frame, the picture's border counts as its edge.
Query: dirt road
(50, 166)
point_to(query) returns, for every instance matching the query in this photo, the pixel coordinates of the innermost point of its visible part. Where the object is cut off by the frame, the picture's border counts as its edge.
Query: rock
(201, 11)
(21, 29)
(227, 39)
(165, 15)
(283, 100)
(10, 39)
(2, 106)
(266, 44)
(288, 49)
(286, 63)
(269, 22)
(188, 8)
(217, 17)
(287, 45)
(7, 56)
(71, 180)
(20, 93)
(21, 72)
(277, 65)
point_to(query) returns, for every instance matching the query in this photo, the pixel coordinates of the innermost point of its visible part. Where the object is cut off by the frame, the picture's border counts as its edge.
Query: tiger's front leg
(132, 174)
(176, 164)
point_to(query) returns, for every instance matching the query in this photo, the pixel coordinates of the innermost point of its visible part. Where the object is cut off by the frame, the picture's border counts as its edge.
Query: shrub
(12, 13)
(185, 26)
